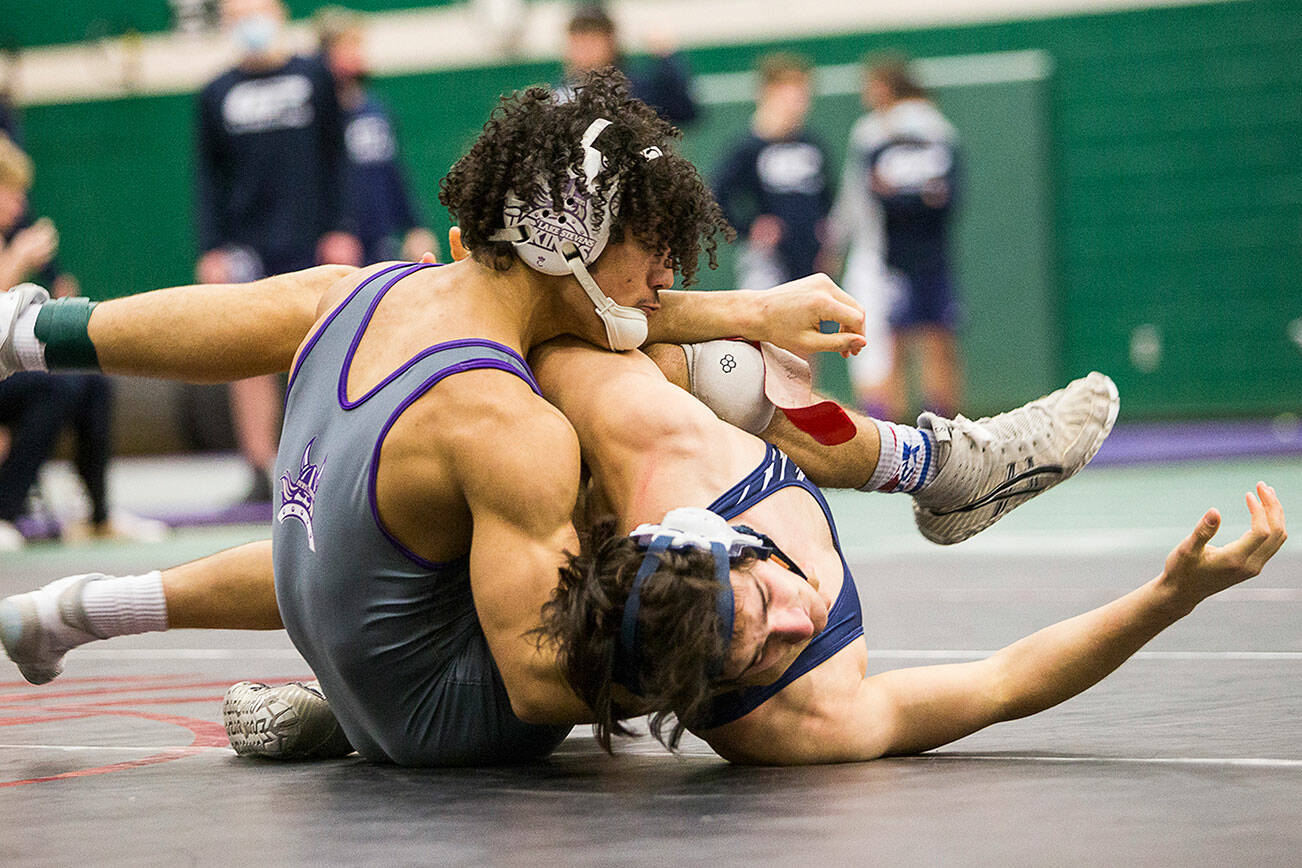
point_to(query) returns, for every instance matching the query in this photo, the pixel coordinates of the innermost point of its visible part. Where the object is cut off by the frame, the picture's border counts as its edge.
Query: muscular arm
(789, 315)
(907, 711)
(211, 333)
(521, 501)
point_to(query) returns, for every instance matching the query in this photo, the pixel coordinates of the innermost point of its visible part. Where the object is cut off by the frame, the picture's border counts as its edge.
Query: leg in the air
(964, 475)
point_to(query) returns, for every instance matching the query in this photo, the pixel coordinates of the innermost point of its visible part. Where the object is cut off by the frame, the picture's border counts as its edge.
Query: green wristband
(62, 325)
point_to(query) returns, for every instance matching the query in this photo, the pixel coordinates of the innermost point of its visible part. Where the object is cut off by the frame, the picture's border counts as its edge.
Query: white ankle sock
(906, 461)
(124, 605)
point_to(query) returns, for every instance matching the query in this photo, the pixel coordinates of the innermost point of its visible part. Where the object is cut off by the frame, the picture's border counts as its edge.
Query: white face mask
(255, 34)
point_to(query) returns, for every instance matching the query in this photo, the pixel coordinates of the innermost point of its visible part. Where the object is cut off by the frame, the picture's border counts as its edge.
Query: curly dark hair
(679, 627)
(532, 139)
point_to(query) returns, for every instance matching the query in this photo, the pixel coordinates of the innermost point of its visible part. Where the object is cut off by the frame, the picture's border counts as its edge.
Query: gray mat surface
(1190, 754)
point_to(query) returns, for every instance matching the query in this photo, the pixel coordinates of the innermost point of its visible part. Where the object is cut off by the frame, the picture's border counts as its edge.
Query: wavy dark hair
(679, 628)
(532, 139)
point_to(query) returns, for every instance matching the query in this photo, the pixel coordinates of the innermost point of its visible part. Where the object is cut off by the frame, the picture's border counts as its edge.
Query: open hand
(1195, 570)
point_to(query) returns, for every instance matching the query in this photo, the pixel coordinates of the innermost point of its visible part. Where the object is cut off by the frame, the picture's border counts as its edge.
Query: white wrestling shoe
(289, 722)
(39, 627)
(12, 303)
(996, 464)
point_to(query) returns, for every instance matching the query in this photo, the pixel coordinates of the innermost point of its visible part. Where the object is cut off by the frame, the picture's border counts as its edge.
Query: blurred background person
(591, 42)
(895, 210)
(36, 407)
(271, 181)
(33, 406)
(773, 184)
(376, 197)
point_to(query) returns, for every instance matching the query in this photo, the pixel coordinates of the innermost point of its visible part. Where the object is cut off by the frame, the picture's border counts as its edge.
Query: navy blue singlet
(844, 620)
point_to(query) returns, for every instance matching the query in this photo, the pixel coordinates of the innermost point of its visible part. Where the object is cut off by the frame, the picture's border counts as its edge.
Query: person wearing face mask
(773, 185)
(377, 200)
(270, 179)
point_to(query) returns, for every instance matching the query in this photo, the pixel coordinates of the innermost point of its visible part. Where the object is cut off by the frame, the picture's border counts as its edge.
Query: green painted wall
(1171, 199)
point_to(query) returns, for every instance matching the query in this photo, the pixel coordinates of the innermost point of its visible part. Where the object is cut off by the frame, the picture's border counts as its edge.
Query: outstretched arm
(211, 333)
(907, 711)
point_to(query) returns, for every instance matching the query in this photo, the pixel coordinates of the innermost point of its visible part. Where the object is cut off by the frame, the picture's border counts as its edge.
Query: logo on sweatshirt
(298, 494)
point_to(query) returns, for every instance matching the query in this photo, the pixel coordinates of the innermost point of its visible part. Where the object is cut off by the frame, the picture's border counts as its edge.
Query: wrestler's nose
(660, 277)
(790, 623)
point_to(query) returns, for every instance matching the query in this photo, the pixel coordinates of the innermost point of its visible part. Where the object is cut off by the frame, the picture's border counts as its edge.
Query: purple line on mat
(1187, 441)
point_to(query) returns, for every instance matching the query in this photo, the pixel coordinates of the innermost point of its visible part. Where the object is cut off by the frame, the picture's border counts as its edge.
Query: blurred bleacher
(1134, 194)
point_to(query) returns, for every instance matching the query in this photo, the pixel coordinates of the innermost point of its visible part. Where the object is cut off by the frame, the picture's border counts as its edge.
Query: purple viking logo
(298, 495)
(552, 227)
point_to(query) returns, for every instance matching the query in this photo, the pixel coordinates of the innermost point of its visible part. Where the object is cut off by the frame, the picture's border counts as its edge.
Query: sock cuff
(888, 457)
(126, 605)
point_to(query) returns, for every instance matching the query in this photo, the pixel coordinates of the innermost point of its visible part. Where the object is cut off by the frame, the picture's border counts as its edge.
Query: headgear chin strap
(568, 240)
(626, 327)
(683, 529)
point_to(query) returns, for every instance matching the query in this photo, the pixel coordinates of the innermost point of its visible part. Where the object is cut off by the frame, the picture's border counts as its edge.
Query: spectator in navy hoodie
(774, 185)
(270, 169)
(376, 197)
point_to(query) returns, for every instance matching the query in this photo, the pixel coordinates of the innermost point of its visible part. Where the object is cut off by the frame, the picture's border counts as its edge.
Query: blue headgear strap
(628, 653)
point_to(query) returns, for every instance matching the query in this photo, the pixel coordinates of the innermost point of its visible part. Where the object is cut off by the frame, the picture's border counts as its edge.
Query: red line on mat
(206, 734)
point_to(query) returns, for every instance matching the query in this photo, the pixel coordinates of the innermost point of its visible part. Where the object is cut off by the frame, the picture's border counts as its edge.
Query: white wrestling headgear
(688, 527)
(569, 240)
(693, 527)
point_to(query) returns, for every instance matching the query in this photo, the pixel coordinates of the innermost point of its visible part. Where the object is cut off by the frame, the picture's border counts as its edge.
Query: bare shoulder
(622, 397)
(513, 452)
(345, 284)
(795, 726)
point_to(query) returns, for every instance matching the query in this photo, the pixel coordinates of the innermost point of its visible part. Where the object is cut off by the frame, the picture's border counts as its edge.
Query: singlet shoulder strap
(435, 363)
(845, 620)
(775, 472)
(351, 315)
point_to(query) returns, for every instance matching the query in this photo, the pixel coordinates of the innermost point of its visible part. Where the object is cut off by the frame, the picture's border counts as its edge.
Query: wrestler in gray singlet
(393, 638)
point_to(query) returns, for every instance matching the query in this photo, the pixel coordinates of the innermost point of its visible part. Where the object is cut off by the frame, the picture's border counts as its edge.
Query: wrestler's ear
(454, 244)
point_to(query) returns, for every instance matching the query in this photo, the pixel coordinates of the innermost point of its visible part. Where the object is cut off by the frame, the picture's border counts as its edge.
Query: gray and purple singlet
(393, 638)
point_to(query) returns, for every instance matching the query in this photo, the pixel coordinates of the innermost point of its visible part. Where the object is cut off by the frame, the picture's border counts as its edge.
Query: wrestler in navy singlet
(393, 638)
(844, 619)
